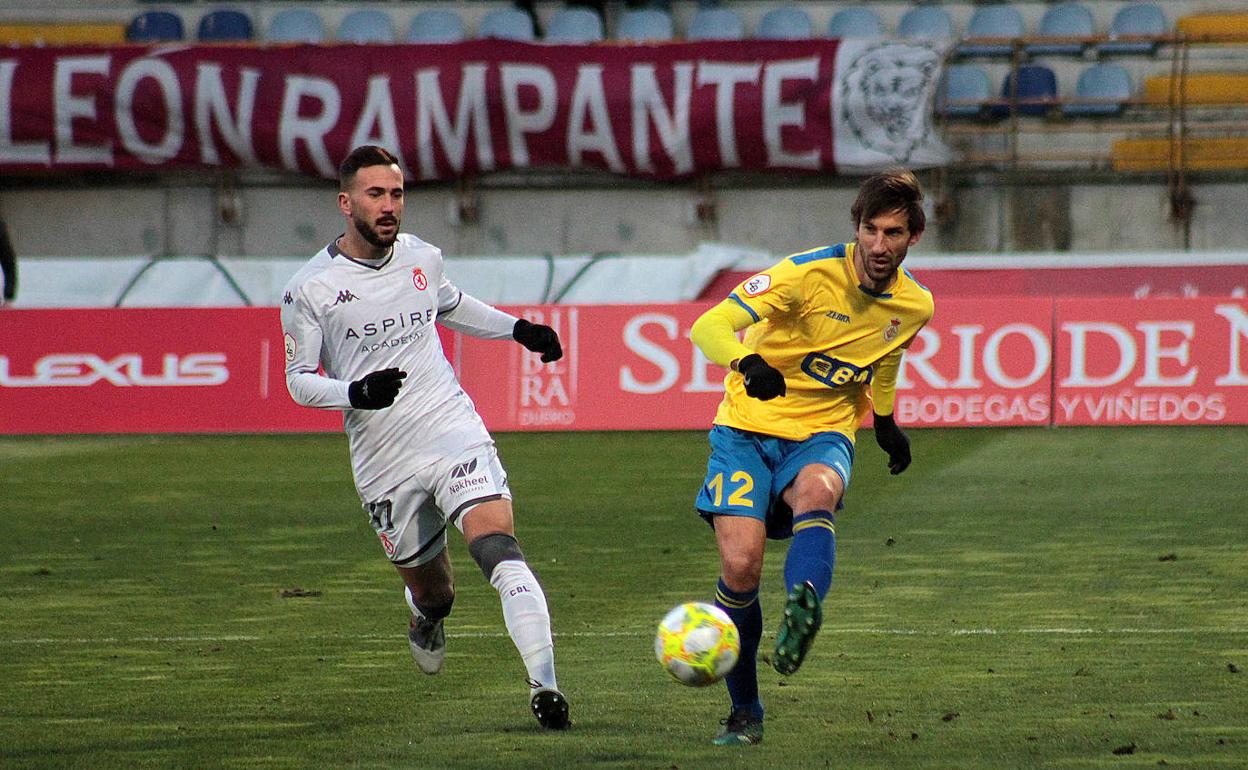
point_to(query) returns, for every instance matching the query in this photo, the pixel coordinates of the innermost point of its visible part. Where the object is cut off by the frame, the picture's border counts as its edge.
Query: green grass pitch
(1031, 598)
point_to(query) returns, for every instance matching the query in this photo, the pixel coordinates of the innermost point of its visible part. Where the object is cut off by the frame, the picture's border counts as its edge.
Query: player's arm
(715, 334)
(888, 435)
(465, 313)
(308, 386)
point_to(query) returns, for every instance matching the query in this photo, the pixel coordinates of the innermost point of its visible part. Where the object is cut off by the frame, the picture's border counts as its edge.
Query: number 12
(739, 495)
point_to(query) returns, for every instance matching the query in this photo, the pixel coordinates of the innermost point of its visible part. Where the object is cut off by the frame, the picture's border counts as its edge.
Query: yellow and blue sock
(812, 554)
(747, 613)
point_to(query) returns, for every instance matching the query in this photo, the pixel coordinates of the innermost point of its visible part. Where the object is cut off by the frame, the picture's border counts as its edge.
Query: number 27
(737, 496)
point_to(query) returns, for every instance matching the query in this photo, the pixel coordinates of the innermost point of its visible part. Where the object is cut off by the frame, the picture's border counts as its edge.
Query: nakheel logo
(467, 477)
(546, 396)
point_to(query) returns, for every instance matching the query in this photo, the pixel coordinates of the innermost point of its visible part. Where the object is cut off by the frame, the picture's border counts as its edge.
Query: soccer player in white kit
(358, 323)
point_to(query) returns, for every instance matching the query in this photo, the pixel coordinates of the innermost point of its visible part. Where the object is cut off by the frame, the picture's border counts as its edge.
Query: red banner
(1001, 362)
(448, 110)
(1169, 361)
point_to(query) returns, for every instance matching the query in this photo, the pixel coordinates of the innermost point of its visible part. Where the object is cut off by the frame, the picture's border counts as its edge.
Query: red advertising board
(979, 362)
(1166, 361)
(983, 362)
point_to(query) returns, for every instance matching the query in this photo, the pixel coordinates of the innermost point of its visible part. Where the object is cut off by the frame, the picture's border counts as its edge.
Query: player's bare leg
(813, 496)
(430, 590)
(489, 530)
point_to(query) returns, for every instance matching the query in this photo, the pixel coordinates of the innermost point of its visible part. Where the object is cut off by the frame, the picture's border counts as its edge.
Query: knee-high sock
(747, 613)
(527, 618)
(812, 554)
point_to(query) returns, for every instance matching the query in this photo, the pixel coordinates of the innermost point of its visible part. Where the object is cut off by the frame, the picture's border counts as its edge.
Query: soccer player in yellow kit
(825, 332)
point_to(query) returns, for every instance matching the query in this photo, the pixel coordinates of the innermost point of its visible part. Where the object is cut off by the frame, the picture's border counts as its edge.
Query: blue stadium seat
(1134, 20)
(1103, 90)
(574, 25)
(436, 25)
(1037, 91)
(964, 92)
(716, 24)
(926, 22)
(786, 23)
(366, 26)
(507, 24)
(999, 21)
(1064, 20)
(296, 25)
(155, 27)
(225, 26)
(855, 22)
(645, 24)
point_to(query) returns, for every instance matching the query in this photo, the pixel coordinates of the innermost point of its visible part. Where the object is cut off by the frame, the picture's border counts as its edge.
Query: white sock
(407, 592)
(527, 618)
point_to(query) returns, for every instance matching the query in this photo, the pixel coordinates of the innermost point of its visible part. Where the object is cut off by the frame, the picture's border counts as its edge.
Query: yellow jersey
(837, 343)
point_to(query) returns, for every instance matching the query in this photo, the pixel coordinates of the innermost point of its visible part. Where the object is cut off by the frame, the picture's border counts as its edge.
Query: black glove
(892, 440)
(539, 339)
(762, 380)
(376, 390)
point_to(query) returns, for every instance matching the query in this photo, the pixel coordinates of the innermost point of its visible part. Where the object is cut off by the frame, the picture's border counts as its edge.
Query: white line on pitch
(608, 634)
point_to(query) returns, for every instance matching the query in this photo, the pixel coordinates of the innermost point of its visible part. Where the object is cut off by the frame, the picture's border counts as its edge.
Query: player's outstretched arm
(376, 390)
(538, 338)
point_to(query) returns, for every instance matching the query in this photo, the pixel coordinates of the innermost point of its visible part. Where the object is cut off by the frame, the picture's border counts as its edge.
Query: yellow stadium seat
(1201, 88)
(1219, 154)
(62, 34)
(1215, 27)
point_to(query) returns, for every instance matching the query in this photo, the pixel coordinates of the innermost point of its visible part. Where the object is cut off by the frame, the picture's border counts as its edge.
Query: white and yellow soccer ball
(697, 643)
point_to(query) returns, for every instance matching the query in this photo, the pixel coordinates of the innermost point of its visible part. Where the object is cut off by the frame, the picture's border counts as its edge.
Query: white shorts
(410, 519)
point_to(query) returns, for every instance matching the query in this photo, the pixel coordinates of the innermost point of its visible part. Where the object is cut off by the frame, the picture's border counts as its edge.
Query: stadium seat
(155, 27)
(296, 25)
(645, 24)
(1063, 21)
(1229, 153)
(964, 92)
(855, 22)
(225, 26)
(1199, 88)
(574, 25)
(1103, 90)
(1229, 27)
(786, 23)
(436, 25)
(1135, 20)
(41, 34)
(926, 22)
(507, 24)
(1037, 91)
(992, 21)
(366, 26)
(716, 24)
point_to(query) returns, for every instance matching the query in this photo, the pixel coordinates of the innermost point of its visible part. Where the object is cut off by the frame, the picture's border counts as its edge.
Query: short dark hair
(888, 192)
(361, 157)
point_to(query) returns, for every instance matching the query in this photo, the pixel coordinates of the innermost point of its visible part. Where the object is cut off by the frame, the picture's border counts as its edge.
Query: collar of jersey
(334, 251)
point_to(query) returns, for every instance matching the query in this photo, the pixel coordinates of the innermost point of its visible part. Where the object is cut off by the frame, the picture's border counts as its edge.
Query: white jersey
(343, 319)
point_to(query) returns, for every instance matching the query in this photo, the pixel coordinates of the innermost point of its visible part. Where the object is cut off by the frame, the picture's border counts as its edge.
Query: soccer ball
(697, 644)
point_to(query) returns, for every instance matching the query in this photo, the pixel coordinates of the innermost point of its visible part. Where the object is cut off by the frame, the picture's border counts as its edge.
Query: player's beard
(370, 234)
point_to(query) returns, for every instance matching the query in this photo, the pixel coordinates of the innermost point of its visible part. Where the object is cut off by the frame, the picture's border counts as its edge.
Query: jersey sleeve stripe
(748, 309)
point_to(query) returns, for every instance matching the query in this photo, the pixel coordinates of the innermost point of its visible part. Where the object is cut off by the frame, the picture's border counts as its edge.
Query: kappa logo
(345, 296)
(463, 470)
(287, 299)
